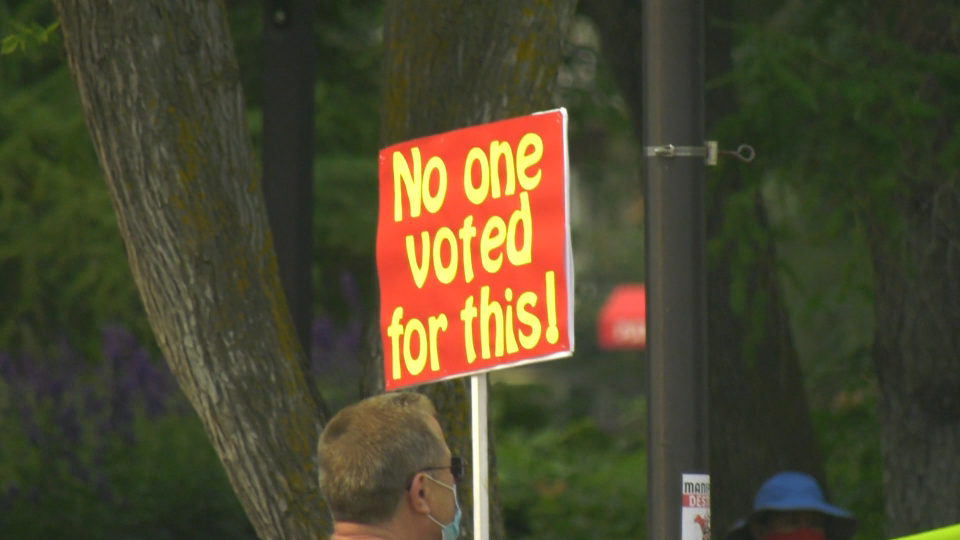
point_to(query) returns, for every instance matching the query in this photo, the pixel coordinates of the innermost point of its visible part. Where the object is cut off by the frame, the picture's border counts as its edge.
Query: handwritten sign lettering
(473, 250)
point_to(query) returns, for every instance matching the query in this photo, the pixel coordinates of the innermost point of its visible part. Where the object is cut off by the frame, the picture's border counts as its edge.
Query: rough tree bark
(917, 358)
(452, 64)
(160, 91)
(916, 272)
(759, 418)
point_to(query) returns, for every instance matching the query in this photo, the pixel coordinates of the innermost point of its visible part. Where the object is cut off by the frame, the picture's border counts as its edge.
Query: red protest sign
(473, 250)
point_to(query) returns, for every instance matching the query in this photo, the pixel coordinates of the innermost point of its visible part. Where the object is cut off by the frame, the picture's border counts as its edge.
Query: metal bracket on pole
(708, 152)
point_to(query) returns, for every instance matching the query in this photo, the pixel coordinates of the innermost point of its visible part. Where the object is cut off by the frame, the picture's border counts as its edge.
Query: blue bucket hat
(788, 491)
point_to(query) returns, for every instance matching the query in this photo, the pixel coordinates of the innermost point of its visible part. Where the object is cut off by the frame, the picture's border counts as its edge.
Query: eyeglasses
(458, 468)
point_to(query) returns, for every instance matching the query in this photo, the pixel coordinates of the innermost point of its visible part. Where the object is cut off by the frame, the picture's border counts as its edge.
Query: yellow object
(951, 532)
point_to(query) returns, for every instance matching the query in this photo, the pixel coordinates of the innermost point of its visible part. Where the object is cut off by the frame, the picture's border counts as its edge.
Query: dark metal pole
(675, 267)
(289, 53)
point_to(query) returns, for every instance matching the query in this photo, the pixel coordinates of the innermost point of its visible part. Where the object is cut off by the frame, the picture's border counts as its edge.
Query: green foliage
(169, 485)
(106, 449)
(62, 263)
(853, 108)
(345, 185)
(848, 431)
(856, 116)
(568, 479)
(26, 37)
(347, 142)
(606, 192)
(346, 137)
(62, 260)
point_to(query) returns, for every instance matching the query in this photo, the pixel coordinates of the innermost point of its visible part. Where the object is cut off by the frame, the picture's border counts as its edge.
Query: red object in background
(622, 322)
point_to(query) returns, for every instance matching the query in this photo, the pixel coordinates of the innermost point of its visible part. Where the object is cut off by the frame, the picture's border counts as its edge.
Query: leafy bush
(848, 431)
(106, 451)
(568, 479)
(62, 261)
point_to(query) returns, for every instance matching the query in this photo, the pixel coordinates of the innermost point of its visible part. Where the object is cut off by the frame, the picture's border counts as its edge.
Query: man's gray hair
(370, 450)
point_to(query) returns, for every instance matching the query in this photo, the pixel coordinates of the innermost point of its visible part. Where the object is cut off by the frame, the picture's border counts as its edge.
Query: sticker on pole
(473, 250)
(695, 524)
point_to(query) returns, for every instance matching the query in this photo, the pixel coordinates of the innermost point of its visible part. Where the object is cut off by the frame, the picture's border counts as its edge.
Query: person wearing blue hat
(790, 506)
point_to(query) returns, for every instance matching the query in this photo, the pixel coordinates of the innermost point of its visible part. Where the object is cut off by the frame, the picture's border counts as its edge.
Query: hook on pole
(709, 152)
(744, 153)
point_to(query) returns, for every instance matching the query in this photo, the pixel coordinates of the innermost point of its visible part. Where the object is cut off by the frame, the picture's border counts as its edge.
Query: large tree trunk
(452, 64)
(917, 358)
(160, 91)
(915, 249)
(759, 418)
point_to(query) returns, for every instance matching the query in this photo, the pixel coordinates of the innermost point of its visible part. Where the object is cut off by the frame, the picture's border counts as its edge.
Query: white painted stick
(480, 461)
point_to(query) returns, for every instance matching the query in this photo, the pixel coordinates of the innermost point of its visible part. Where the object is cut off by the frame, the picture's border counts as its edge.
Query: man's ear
(417, 494)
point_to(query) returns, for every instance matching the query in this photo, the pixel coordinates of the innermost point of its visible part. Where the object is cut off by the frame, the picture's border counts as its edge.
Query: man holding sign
(386, 472)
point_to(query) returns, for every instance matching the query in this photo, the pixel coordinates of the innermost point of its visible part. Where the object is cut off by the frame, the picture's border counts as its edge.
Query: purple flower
(351, 293)
(8, 370)
(149, 382)
(322, 338)
(13, 491)
(76, 413)
(29, 423)
(70, 425)
(118, 343)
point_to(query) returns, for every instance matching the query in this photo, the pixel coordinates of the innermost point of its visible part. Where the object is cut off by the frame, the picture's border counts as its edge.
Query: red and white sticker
(695, 516)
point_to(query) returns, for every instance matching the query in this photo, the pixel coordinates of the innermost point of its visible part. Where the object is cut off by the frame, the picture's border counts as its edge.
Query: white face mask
(451, 530)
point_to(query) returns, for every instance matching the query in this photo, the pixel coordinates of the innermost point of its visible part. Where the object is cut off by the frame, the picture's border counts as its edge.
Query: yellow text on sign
(414, 345)
(410, 334)
(413, 178)
(506, 338)
(514, 234)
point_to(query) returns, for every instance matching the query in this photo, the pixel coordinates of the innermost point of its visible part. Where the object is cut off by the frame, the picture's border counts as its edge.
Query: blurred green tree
(865, 136)
(61, 262)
